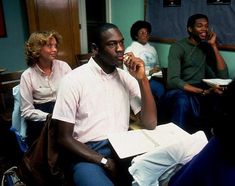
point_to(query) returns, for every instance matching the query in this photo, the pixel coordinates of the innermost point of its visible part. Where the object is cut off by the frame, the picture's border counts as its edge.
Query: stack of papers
(217, 81)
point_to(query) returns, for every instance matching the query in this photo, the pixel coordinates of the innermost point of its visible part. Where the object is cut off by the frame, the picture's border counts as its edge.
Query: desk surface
(2, 69)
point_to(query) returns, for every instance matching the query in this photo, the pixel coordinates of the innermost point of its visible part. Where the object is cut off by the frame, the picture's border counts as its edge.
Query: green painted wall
(123, 13)
(229, 57)
(12, 46)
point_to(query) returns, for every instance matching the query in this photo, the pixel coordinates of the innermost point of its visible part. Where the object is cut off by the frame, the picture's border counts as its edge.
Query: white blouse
(37, 88)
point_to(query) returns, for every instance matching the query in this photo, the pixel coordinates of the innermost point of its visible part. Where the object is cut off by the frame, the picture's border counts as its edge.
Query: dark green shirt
(187, 64)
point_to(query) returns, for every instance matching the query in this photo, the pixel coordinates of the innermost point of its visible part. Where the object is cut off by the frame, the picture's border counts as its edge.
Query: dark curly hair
(35, 42)
(137, 26)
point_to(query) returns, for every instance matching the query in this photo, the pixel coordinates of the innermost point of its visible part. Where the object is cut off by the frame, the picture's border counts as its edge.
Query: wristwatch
(104, 162)
(203, 93)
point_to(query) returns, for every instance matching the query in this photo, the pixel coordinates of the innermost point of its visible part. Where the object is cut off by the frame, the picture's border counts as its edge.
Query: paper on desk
(217, 81)
(157, 74)
(135, 142)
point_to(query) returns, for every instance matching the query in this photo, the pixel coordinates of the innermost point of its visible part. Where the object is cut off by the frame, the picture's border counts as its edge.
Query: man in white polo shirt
(94, 100)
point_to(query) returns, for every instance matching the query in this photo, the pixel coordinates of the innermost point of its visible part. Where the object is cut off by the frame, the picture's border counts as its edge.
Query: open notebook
(135, 142)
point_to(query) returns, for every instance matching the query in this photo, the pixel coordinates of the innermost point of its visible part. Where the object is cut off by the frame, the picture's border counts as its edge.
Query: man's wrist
(144, 79)
(203, 93)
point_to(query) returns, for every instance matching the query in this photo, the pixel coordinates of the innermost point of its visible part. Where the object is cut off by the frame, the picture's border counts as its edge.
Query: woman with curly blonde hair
(39, 83)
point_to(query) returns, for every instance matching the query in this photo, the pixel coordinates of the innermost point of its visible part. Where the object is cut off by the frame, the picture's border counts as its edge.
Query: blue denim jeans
(157, 88)
(191, 112)
(89, 174)
(180, 106)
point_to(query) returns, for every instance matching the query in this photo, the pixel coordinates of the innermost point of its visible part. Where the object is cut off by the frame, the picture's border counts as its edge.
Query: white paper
(157, 74)
(217, 81)
(135, 142)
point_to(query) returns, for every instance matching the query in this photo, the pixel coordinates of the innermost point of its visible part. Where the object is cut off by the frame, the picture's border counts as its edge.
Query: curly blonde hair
(35, 42)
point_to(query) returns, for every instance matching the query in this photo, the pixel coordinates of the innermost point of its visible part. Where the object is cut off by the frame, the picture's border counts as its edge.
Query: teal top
(187, 64)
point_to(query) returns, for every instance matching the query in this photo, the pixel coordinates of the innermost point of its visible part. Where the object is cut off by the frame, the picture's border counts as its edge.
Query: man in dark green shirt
(190, 60)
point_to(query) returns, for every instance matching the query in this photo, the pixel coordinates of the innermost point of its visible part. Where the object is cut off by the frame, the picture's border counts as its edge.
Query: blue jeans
(157, 88)
(191, 112)
(181, 107)
(91, 174)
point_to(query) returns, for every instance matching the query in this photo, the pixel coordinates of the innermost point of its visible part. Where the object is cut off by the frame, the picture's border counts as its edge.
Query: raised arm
(220, 63)
(148, 107)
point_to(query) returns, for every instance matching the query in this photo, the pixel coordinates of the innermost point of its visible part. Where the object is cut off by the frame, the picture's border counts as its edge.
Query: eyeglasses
(143, 33)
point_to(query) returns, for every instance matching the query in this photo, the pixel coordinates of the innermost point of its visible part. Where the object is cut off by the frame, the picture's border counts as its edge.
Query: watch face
(103, 161)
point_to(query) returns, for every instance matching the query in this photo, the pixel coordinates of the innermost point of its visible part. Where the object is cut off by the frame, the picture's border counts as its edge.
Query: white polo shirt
(146, 52)
(96, 102)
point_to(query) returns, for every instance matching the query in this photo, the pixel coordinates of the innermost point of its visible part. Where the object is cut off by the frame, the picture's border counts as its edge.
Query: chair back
(83, 58)
(164, 75)
(7, 82)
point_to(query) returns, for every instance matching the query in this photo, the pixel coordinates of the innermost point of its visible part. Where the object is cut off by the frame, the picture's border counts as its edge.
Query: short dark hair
(192, 19)
(137, 26)
(97, 32)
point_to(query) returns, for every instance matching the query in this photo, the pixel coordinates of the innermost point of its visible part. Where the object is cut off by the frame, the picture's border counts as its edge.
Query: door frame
(83, 22)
